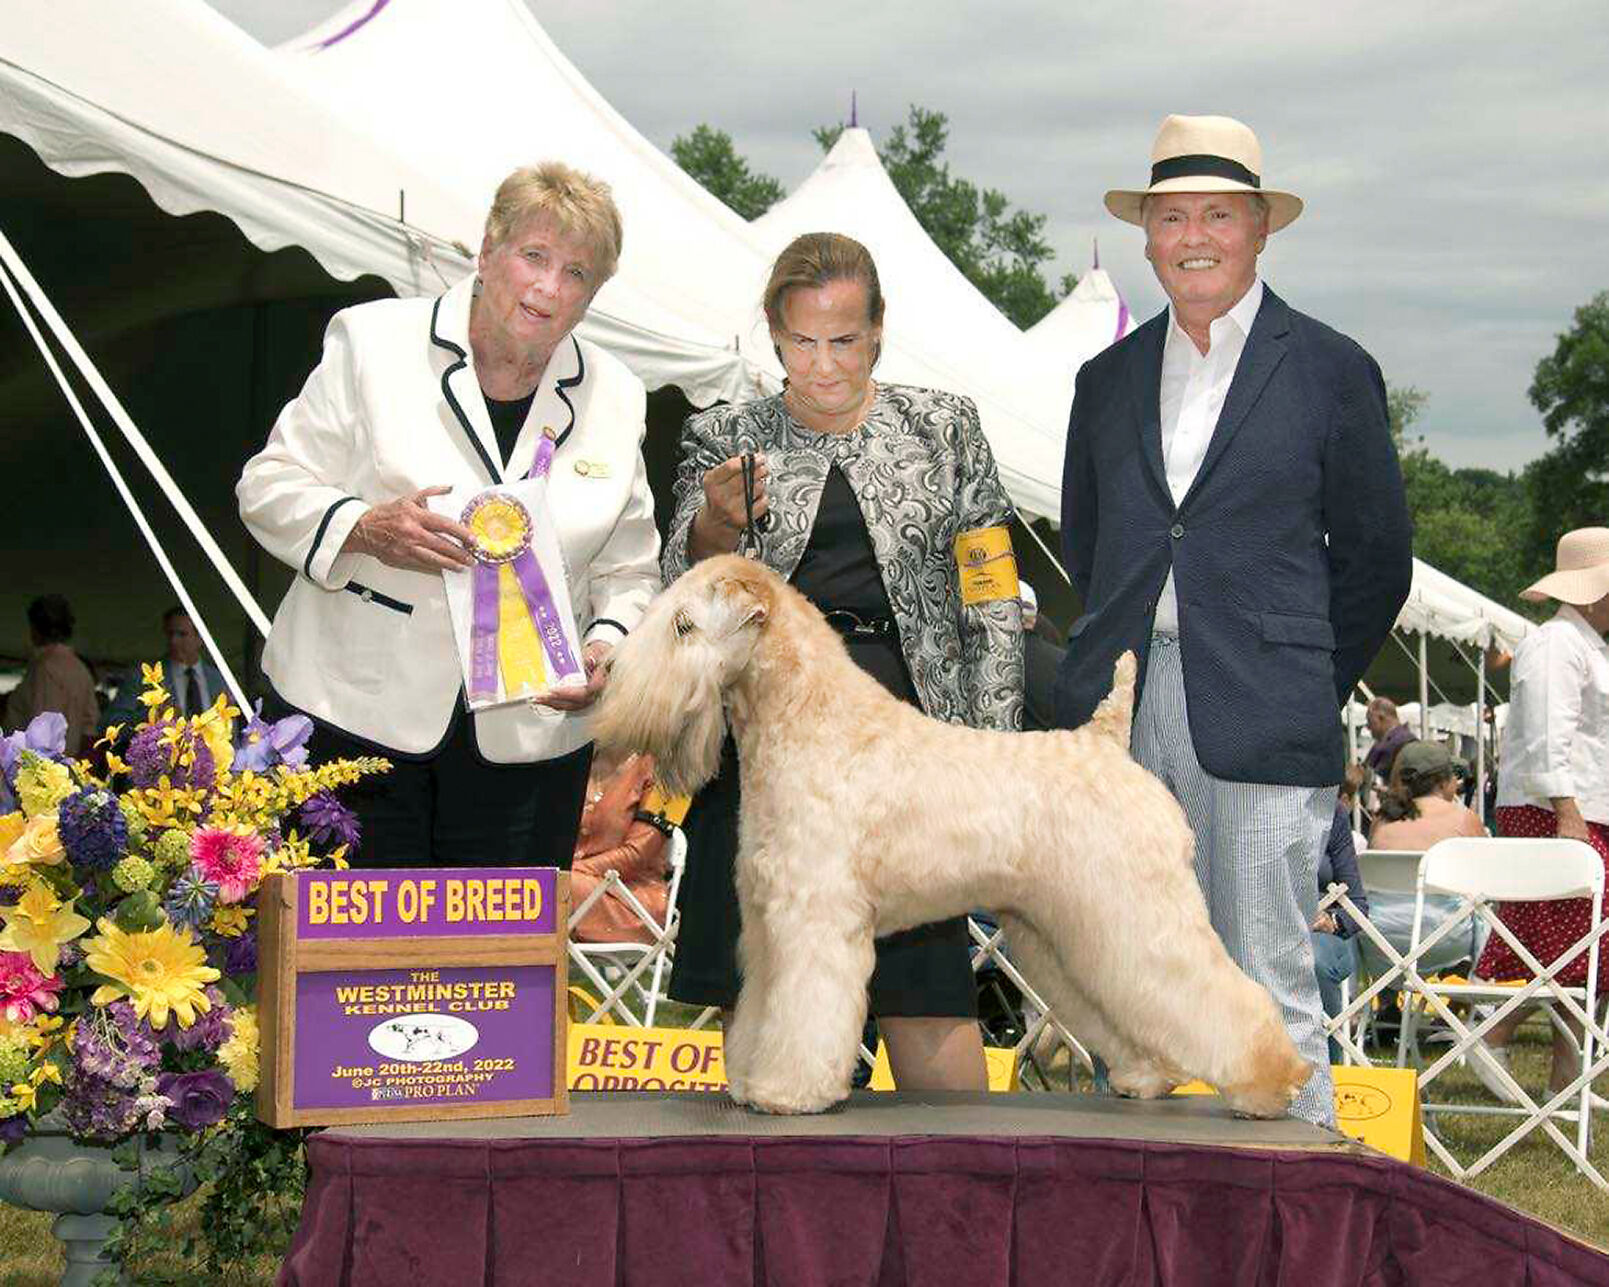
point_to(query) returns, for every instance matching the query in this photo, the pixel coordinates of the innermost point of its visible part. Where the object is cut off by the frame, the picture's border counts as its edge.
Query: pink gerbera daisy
(232, 860)
(24, 989)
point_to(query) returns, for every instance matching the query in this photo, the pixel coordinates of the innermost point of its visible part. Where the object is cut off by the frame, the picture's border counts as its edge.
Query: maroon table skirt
(897, 1211)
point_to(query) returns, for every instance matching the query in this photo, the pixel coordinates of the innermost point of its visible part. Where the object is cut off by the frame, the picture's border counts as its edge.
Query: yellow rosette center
(501, 526)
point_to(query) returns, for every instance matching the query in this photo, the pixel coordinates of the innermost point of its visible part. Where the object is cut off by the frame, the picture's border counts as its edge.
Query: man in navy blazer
(191, 679)
(1232, 510)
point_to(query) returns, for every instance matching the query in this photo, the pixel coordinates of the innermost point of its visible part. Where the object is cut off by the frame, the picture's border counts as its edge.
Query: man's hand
(594, 657)
(407, 534)
(1324, 923)
(1572, 826)
(717, 525)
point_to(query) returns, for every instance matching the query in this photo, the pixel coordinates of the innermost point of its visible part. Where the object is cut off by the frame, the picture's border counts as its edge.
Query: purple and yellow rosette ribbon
(515, 626)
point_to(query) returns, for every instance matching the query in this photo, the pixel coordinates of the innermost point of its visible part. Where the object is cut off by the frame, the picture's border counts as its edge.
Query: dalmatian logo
(423, 1036)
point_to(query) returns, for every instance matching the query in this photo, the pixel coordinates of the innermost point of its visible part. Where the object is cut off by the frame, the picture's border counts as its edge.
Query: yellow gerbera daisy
(157, 970)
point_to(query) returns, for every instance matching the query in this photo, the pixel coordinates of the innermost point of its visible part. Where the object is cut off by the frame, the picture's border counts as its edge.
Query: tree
(708, 155)
(1568, 486)
(1001, 250)
(1464, 519)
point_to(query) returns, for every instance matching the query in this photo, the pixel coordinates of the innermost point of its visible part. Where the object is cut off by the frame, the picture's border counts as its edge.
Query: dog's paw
(1145, 1082)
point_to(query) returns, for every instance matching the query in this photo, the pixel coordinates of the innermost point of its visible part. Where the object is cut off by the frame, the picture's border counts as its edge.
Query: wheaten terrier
(862, 816)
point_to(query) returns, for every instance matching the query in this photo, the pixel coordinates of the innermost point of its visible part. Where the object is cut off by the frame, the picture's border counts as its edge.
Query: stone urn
(50, 1171)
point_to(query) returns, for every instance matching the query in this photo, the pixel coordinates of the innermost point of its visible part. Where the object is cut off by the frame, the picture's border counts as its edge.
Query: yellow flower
(38, 845)
(164, 804)
(238, 1054)
(12, 825)
(42, 785)
(230, 919)
(216, 727)
(158, 970)
(39, 925)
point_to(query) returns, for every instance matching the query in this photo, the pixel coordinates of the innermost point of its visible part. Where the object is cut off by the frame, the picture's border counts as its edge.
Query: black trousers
(455, 809)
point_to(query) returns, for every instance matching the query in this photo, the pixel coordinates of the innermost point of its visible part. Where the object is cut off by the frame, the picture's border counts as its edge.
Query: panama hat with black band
(1205, 154)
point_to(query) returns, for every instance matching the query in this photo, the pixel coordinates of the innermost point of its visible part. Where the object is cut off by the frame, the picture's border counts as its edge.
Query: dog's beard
(674, 714)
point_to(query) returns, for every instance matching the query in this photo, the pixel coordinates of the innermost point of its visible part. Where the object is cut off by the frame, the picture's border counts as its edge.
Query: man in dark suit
(192, 681)
(1233, 511)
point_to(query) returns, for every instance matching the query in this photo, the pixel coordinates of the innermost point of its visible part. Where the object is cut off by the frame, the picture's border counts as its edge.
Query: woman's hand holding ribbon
(594, 657)
(407, 534)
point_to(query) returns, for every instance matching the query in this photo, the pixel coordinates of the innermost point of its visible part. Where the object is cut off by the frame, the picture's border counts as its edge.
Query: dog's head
(668, 679)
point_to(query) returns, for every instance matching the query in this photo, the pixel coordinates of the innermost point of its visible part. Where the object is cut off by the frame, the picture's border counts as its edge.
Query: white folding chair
(1387, 874)
(1042, 1030)
(617, 970)
(1481, 872)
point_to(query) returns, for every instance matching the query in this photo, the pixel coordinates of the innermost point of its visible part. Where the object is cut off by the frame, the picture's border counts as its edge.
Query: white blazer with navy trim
(392, 407)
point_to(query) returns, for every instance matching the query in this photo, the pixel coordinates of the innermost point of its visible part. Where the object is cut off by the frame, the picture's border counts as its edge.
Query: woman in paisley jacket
(857, 495)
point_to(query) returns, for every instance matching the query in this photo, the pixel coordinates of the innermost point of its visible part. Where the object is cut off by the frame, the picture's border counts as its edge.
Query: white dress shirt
(1194, 386)
(1556, 741)
(178, 680)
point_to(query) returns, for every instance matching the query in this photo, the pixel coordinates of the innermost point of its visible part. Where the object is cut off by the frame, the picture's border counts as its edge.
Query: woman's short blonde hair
(577, 203)
(814, 260)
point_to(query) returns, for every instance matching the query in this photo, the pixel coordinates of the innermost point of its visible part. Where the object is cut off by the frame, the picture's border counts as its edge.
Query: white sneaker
(1484, 1061)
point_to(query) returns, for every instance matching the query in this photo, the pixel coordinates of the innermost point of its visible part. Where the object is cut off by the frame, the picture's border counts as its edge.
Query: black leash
(748, 540)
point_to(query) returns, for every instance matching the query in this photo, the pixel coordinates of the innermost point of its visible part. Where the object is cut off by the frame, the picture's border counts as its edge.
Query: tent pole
(14, 289)
(1480, 738)
(1424, 685)
(27, 285)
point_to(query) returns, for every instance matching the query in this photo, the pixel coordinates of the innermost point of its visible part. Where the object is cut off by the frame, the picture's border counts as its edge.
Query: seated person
(1418, 810)
(1335, 951)
(1421, 806)
(617, 836)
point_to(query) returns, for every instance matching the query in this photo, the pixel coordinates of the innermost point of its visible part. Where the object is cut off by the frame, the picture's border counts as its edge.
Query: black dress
(920, 972)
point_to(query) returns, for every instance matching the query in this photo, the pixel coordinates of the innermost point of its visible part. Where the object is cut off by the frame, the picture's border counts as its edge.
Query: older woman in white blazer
(411, 398)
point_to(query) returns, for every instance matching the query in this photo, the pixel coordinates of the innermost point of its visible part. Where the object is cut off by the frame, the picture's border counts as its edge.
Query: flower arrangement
(127, 950)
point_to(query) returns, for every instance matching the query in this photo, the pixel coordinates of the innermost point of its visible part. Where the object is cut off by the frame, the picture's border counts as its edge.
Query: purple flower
(45, 735)
(149, 759)
(241, 956)
(328, 821)
(210, 1030)
(13, 1129)
(92, 829)
(199, 1098)
(96, 1108)
(263, 745)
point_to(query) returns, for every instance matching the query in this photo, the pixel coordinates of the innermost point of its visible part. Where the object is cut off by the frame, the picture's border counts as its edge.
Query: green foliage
(1569, 485)
(1002, 251)
(252, 1179)
(1465, 520)
(708, 155)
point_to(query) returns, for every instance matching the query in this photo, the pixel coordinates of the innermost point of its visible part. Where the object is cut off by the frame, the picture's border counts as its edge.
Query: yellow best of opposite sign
(1375, 1106)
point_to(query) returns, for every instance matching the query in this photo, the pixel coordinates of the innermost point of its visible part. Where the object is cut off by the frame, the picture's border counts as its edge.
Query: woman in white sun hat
(1555, 772)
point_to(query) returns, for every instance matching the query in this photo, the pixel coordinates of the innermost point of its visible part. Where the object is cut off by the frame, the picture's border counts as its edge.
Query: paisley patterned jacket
(923, 473)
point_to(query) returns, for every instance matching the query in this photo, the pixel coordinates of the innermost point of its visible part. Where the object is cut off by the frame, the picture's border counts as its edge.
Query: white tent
(471, 90)
(1449, 609)
(1091, 317)
(206, 119)
(938, 329)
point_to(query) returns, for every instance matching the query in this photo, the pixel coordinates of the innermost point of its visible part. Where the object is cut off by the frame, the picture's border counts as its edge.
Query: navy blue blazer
(1292, 552)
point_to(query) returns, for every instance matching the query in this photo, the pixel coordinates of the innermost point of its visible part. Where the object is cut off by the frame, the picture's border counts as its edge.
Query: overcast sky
(1454, 157)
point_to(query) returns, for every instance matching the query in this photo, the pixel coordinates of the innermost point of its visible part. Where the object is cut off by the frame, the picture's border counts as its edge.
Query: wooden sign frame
(284, 956)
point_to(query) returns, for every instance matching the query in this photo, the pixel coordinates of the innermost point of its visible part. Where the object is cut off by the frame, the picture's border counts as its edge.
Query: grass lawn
(1535, 1178)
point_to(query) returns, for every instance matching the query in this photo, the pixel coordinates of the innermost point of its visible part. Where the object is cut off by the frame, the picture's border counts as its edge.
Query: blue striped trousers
(1257, 857)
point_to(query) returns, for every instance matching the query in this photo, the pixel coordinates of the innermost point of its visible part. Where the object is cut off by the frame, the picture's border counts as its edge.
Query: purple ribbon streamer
(539, 599)
(544, 457)
(483, 633)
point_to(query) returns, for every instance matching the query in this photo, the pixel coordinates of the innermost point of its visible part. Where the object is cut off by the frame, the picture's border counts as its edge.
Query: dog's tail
(1116, 711)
